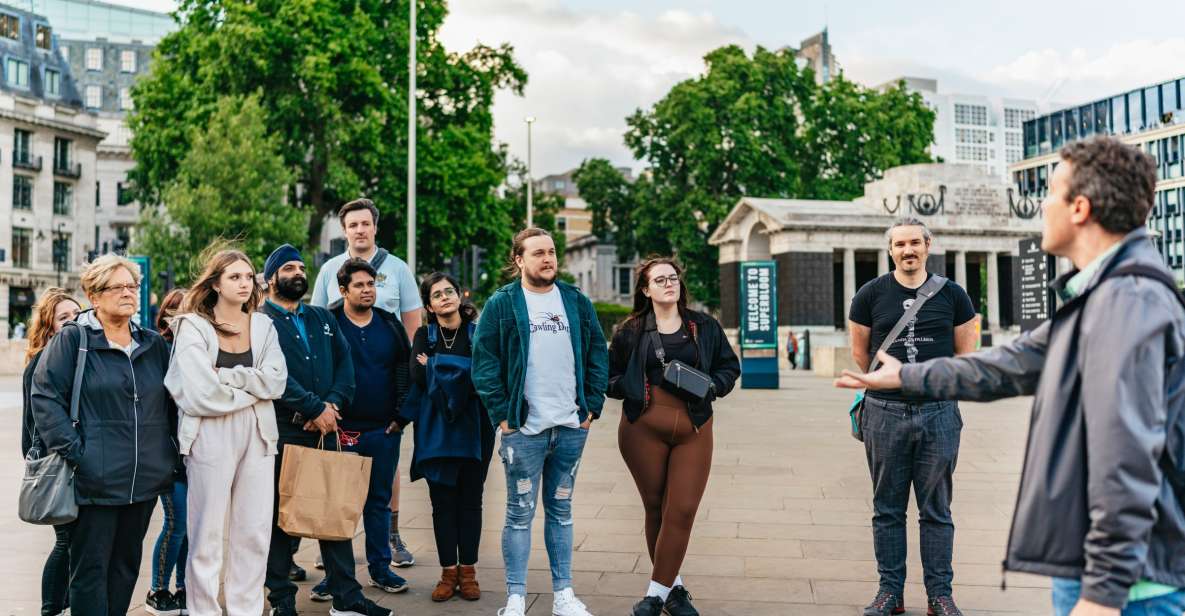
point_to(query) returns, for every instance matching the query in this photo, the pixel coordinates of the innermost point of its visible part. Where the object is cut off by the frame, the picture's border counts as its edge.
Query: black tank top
(232, 360)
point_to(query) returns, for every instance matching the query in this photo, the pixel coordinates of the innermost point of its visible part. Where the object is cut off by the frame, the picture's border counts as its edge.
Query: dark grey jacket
(123, 448)
(1103, 481)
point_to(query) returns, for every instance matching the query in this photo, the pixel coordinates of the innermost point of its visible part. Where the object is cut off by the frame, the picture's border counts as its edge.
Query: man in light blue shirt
(397, 292)
(395, 285)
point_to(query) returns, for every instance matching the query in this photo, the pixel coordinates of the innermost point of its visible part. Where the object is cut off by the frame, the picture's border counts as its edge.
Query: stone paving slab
(784, 527)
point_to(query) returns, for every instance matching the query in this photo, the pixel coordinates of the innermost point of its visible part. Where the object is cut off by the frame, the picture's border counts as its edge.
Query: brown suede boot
(470, 591)
(447, 586)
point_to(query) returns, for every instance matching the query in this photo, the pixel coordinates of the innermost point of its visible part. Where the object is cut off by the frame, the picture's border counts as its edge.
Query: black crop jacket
(627, 364)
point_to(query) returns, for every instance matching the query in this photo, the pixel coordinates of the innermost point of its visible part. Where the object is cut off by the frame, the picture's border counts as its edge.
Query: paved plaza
(784, 527)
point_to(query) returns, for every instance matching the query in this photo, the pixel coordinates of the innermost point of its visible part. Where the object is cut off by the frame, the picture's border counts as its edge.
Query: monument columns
(993, 290)
(849, 280)
(882, 262)
(961, 268)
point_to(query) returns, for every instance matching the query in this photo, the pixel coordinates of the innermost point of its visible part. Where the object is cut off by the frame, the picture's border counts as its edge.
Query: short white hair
(908, 221)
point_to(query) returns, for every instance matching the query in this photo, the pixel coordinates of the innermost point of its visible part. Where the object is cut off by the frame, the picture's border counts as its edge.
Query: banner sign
(759, 305)
(1034, 271)
(144, 316)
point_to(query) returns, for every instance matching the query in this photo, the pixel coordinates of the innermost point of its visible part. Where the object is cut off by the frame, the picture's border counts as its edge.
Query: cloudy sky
(593, 62)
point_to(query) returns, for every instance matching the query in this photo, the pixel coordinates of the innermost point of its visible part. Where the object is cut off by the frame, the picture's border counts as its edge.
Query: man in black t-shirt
(907, 440)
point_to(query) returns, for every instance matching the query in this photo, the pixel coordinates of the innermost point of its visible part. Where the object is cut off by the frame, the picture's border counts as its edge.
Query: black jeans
(456, 513)
(105, 549)
(912, 444)
(338, 556)
(55, 577)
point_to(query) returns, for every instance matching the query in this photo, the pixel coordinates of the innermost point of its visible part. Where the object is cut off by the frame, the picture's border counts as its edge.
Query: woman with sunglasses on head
(453, 434)
(665, 434)
(55, 308)
(226, 370)
(122, 446)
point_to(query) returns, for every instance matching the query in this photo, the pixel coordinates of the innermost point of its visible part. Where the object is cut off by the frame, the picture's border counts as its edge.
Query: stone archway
(756, 247)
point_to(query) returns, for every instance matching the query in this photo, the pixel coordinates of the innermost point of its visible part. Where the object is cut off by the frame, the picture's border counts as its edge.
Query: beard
(292, 288)
(541, 280)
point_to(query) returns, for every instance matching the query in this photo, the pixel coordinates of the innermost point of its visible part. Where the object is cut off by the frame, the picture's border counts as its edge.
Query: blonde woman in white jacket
(225, 371)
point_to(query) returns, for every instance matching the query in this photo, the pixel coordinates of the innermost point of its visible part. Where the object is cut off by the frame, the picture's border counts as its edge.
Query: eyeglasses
(121, 288)
(443, 293)
(664, 281)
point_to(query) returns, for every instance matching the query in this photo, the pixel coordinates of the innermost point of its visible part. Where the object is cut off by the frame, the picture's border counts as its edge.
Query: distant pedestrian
(55, 308)
(171, 549)
(1101, 507)
(665, 434)
(454, 436)
(911, 440)
(540, 365)
(792, 349)
(226, 369)
(395, 292)
(122, 448)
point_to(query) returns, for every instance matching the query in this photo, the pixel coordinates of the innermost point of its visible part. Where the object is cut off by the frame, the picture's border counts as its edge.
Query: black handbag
(689, 384)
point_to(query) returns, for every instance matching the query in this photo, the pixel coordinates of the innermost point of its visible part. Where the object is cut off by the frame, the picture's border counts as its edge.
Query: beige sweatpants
(230, 474)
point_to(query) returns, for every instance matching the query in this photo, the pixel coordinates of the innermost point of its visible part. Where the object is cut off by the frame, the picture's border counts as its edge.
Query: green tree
(232, 184)
(611, 201)
(332, 78)
(756, 126)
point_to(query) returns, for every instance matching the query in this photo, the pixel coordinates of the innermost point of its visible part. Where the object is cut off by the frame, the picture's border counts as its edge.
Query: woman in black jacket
(665, 435)
(122, 447)
(55, 308)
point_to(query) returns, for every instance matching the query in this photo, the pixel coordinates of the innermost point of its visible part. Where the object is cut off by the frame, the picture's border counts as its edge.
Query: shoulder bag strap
(925, 292)
(431, 336)
(79, 365)
(380, 256)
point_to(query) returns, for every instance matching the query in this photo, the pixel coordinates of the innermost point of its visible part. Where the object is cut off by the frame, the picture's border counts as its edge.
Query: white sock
(678, 581)
(658, 590)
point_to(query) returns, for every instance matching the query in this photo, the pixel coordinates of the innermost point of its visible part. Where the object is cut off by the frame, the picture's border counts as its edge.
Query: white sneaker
(516, 605)
(565, 603)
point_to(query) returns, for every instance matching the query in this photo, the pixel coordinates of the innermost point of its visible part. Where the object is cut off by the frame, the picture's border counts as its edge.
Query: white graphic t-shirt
(551, 367)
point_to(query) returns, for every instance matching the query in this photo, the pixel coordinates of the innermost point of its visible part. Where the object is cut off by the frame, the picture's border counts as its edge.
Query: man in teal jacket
(541, 366)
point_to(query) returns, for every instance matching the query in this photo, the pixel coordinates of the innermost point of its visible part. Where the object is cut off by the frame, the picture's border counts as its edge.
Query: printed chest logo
(548, 322)
(910, 338)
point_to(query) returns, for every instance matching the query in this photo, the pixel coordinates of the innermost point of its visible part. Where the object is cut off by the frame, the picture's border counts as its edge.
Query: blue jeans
(383, 450)
(171, 547)
(553, 457)
(912, 445)
(1066, 592)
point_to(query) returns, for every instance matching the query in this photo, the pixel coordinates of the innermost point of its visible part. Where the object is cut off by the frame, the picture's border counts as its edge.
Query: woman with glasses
(227, 368)
(122, 447)
(665, 434)
(454, 437)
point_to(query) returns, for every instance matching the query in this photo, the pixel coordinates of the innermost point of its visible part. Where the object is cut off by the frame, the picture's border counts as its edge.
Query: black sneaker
(649, 606)
(162, 603)
(179, 597)
(885, 604)
(679, 603)
(942, 606)
(365, 607)
(284, 609)
(297, 573)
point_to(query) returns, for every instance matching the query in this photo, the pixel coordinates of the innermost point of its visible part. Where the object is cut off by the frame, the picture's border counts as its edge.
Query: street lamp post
(530, 177)
(411, 140)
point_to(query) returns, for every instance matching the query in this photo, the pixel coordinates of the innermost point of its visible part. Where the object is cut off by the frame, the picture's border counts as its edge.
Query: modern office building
(815, 52)
(48, 160)
(108, 47)
(970, 129)
(1152, 118)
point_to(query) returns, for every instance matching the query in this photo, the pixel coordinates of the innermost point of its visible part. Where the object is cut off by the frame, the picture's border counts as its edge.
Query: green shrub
(610, 315)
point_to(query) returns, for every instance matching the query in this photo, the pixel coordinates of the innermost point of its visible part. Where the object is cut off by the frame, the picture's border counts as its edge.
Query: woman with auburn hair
(55, 308)
(171, 548)
(226, 370)
(665, 434)
(121, 447)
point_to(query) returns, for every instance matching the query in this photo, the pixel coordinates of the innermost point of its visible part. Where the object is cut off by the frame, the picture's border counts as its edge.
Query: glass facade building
(90, 19)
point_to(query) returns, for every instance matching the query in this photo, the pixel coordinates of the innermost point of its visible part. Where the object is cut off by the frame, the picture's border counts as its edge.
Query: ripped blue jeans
(551, 457)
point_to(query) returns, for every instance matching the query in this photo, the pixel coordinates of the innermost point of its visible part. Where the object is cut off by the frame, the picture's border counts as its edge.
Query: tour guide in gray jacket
(1103, 483)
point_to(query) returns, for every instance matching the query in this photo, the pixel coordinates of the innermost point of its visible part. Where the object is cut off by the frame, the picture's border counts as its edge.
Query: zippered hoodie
(123, 449)
(202, 391)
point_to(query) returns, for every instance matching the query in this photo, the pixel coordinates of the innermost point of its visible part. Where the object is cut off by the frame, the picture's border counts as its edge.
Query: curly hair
(1118, 179)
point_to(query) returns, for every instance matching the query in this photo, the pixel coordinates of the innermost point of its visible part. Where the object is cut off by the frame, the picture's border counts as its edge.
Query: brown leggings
(670, 463)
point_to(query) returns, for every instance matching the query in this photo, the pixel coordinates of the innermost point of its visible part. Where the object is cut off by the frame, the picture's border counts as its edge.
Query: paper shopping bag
(322, 492)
